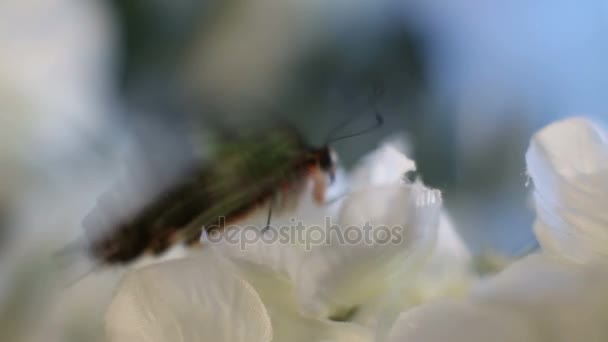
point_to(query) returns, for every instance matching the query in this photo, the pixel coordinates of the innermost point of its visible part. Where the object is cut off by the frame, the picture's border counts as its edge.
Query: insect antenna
(331, 138)
(379, 122)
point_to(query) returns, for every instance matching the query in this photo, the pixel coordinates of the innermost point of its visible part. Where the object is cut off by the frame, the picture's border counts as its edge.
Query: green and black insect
(245, 171)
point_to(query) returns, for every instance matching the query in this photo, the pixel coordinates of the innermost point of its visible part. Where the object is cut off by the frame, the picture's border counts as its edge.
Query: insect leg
(191, 234)
(271, 203)
(269, 216)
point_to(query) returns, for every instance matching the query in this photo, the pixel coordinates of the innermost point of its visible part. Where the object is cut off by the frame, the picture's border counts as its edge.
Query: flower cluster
(368, 291)
(289, 290)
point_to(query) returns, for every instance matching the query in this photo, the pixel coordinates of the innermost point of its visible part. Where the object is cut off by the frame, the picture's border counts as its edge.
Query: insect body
(242, 174)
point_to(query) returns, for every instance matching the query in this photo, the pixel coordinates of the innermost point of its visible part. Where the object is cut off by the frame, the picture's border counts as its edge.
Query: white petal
(568, 162)
(448, 271)
(564, 301)
(460, 322)
(539, 298)
(360, 260)
(193, 299)
(446, 274)
(288, 321)
(385, 165)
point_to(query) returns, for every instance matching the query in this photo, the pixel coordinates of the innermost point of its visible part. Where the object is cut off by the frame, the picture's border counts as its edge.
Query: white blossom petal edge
(191, 299)
(568, 162)
(560, 294)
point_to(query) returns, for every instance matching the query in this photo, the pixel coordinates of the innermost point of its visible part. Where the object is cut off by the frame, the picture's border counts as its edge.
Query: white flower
(289, 291)
(568, 162)
(212, 303)
(559, 294)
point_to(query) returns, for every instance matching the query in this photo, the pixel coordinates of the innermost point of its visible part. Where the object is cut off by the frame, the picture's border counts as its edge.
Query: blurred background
(467, 82)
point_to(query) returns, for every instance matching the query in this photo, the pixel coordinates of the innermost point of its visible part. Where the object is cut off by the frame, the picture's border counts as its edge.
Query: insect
(269, 167)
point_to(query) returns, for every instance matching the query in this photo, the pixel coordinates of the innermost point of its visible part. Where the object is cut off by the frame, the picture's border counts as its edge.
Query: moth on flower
(247, 170)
